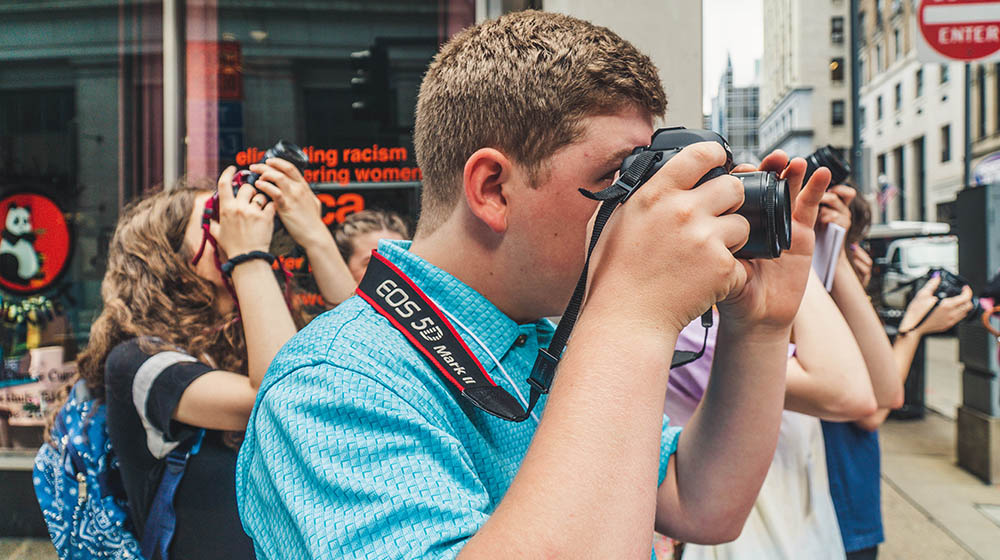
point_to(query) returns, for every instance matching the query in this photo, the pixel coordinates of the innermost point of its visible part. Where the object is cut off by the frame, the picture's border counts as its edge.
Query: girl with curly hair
(182, 343)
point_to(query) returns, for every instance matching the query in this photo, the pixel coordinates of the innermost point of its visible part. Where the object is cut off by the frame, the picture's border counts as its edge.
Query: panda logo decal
(34, 243)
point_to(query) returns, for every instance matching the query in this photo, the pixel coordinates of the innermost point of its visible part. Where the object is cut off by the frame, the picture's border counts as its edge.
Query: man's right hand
(667, 253)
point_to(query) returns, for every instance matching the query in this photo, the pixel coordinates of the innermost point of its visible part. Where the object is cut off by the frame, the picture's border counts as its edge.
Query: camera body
(767, 202)
(284, 150)
(829, 158)
(951, 285)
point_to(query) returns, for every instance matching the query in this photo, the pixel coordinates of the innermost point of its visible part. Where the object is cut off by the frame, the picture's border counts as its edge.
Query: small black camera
(830, 158)
(951, 285)
(284, 150)
(767, 204)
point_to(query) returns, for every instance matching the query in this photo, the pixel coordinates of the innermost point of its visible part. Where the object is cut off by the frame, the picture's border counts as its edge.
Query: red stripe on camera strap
(394, 296)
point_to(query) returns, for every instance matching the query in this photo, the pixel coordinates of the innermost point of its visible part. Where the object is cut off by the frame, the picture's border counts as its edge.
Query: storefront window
(86, 125)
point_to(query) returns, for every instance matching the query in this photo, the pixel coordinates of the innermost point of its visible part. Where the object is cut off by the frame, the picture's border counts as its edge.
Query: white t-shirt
(793, 516)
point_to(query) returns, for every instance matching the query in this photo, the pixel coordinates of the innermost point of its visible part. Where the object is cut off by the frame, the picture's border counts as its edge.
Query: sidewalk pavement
(932, 508)
(27, 549)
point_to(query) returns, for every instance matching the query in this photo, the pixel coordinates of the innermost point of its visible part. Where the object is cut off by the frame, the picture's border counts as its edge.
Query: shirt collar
(476, 313)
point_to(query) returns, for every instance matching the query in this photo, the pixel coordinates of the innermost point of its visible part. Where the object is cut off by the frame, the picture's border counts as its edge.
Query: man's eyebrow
(615, 160)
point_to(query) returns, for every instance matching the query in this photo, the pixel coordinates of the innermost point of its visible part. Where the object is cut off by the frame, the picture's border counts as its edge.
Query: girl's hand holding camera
(300, 211)
(834, 207)
(246, 219)
(296, 204)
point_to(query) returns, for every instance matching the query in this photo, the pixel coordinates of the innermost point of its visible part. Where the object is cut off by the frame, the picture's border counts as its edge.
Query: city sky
(736, 27)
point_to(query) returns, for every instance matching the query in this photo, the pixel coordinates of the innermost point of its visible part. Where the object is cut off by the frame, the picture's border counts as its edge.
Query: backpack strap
(162, 519)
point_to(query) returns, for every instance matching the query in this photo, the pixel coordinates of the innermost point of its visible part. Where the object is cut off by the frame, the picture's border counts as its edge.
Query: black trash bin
(914, 390)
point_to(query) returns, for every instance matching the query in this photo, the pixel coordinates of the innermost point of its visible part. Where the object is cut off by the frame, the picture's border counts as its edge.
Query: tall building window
(944, 73)
(920, 82)
(945, 143)
(878, 58)
(862, 114)
(837, 69)
(898, 45)
(879, 9)
(837, 112)
(878, 108)
(837, 30)
(899, 96)
(861, 71)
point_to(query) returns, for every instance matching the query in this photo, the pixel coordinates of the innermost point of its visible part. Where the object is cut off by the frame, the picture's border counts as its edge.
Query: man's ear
(486, 171)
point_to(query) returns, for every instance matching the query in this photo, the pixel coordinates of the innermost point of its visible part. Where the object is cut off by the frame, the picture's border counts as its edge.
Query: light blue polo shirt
(357, 449)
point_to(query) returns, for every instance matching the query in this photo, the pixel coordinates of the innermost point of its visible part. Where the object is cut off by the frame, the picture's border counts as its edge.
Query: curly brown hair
(150, 289)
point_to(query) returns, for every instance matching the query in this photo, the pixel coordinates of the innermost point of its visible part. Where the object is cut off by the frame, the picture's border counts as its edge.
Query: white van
(922, 248)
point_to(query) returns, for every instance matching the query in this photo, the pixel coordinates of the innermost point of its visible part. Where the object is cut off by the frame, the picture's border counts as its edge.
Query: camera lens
(288, 152)
(283, 150)
(767, 206)
(829, 158)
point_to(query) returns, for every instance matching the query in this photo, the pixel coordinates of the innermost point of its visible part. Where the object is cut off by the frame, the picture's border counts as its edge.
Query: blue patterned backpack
(80, 491)
(78, 485)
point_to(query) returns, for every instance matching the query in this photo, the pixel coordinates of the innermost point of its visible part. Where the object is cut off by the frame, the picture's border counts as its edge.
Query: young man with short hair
(357, 448)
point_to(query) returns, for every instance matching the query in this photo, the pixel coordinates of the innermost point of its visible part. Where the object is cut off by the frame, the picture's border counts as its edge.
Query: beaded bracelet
(228, 266)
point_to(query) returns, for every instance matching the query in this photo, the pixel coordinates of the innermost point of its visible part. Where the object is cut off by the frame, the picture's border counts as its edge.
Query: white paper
(829, 242)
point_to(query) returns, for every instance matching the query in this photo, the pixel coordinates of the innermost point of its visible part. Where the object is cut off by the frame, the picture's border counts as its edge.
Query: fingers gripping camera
(283, 150)
(767, 202)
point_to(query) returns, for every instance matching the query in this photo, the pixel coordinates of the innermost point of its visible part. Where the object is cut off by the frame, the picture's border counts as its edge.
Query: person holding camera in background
(180, 347)
(358, 449)
(852, 448)
(839, 368)
(358, 235)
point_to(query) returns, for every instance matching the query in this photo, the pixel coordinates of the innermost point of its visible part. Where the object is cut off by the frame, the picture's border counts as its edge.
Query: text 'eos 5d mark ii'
(767, 203)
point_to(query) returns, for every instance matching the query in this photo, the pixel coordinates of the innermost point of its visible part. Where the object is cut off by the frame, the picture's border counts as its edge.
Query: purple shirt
(686, 384)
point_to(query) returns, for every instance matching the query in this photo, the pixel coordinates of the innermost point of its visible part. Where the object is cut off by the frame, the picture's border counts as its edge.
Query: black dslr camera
(284, 150)
(829, 158)
(951, 286)
(767, 205)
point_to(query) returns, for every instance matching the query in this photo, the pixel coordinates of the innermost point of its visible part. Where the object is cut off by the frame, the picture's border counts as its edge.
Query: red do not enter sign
(965, 30)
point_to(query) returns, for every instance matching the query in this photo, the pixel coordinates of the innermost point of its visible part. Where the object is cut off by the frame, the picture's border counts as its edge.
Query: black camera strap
(628, 182)
(394, 296)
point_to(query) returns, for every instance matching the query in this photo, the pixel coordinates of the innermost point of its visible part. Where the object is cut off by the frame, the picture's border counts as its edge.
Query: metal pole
(173, 91)
(967, 171)
(856, 151)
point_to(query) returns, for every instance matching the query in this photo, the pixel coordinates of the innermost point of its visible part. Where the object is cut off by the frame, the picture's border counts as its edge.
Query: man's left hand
(774, 287)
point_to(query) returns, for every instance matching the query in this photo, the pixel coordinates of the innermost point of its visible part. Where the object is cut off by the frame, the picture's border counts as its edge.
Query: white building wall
(940, 104)
(669, 32)
(796, 76)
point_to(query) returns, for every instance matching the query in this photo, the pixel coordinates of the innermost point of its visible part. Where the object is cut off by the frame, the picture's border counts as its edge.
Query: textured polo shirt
(357, 449)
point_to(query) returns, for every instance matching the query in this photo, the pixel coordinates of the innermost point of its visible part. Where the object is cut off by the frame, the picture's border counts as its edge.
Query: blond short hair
(522, 84)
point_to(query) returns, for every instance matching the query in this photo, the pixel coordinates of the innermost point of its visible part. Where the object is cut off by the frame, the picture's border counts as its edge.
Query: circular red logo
(961, 30)
(35, 243)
